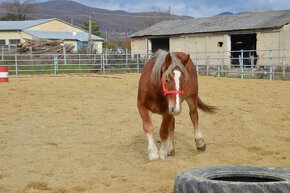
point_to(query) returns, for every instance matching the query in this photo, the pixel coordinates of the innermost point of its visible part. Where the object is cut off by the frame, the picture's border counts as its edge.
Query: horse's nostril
(172, 109)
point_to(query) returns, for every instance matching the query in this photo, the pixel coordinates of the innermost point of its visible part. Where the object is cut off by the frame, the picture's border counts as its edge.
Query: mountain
(225, 13)
(115, 24)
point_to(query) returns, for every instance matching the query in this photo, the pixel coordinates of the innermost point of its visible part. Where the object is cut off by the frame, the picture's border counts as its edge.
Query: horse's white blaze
(152, 149)
(177, 75)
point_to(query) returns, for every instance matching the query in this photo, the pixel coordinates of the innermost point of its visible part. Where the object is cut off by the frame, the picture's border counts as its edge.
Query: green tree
(95, 28)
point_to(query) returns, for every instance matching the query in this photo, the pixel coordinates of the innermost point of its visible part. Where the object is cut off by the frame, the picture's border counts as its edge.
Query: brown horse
(166, 81)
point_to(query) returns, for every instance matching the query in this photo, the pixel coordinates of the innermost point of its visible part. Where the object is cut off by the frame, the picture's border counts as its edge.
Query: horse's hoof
(200, 144)
(203, 148)
(162, 157)
(152, 157)
(171, 153)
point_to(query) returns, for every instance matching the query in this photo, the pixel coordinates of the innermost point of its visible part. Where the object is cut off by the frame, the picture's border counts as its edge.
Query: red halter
(166, 92)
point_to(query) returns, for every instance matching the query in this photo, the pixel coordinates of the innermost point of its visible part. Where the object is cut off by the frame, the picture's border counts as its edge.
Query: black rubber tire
(233, 179)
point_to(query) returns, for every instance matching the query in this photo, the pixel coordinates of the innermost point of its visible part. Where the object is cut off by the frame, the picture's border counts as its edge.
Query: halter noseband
(166, 92)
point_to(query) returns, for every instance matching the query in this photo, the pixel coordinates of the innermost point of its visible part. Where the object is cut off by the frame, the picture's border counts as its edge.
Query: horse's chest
(156, 104)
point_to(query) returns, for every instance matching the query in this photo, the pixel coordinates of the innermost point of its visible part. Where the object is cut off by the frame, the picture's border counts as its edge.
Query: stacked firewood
(44, 47)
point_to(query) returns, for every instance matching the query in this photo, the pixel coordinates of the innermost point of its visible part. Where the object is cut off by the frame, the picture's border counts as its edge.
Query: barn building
(14, 32)
(257, 32)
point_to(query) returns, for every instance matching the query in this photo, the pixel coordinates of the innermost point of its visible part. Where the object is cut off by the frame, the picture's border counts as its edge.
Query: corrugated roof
(21, 25)
(55, 35)
(241, 21)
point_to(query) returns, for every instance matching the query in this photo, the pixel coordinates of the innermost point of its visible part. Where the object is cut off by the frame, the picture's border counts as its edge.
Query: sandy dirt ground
(83, 134)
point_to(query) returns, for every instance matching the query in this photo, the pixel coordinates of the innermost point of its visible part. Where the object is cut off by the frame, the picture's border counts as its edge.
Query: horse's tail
(204, 107)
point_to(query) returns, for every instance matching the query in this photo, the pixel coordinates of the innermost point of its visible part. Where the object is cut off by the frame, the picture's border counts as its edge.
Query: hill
(115, 24)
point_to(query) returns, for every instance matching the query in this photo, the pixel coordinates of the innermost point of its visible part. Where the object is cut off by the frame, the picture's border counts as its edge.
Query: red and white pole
(3, 74)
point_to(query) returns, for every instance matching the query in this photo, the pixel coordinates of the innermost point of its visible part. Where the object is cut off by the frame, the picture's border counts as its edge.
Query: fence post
(283, 66)
(241, 59)
(55, 62)
(126, 52)
(31, 55)
(2, 53)
(64, 54)
(101, 60)
(79, 60)
(252, 57)
(138, 66)
(219, 65)
(16, 65)
(197, 63)
(207, 65)
(271, 65)
(103, 63)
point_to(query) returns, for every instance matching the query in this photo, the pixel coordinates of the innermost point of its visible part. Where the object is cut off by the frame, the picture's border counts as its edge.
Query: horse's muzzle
(174, 111)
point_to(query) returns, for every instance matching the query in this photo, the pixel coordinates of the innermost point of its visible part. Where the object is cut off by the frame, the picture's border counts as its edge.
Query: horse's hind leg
(148, 128)
(193, 113)
(167, 136)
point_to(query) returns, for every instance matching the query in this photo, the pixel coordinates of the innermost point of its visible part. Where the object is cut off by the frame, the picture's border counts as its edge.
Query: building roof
(55, 35)
(26, 24)
(236, 22)
(21, 25)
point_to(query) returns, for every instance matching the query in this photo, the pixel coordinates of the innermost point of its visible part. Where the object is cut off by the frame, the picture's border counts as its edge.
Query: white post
(16, 65)
(138, 70)
(79, 61)
(219, 67)
(2, 53)
(207, 65)
(55, 64)
(271, 65)
(197, 63)
(126, 52)
(283, 66)
(64, 54)
(242, 64)
(103, 63)
(252, 57)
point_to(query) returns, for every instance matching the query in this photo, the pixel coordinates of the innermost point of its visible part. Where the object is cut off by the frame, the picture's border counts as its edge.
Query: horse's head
(173, 79)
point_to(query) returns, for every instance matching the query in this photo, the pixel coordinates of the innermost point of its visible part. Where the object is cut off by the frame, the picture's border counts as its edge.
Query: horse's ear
(167, 62)
(185, 60)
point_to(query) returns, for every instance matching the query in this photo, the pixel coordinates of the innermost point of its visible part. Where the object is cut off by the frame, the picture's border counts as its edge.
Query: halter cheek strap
(166, 92)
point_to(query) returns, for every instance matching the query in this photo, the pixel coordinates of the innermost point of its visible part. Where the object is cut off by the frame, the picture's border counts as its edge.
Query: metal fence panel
(270, 64)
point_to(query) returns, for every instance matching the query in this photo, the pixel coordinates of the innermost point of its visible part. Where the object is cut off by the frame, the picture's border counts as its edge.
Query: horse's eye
(167, 81)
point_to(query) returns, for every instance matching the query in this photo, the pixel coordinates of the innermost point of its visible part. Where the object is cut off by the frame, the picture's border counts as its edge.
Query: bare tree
(18, 10)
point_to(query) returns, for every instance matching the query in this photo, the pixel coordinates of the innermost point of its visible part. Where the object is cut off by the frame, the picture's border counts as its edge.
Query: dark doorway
(160, 43)
(247, 43)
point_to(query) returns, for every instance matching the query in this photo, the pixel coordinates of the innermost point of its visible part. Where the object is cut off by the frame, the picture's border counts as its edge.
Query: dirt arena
(83, 134)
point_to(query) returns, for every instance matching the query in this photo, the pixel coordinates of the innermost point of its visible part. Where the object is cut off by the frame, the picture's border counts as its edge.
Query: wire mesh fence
(263, 64)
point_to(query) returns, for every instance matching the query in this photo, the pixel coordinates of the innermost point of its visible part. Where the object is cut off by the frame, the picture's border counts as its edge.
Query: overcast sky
(194, 8)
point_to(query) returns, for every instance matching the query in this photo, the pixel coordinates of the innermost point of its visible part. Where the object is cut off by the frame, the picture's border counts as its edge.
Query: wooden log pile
(44, 47)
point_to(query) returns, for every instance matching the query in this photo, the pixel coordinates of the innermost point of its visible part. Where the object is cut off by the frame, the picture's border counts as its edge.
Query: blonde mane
(160, 58)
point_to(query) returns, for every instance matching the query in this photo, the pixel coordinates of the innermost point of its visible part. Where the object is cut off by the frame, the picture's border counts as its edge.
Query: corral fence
(71, 63)
(263, 64)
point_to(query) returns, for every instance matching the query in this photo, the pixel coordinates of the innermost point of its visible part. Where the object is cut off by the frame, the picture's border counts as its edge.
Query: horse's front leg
(167, 136)
(193, 113)
(148, 128)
